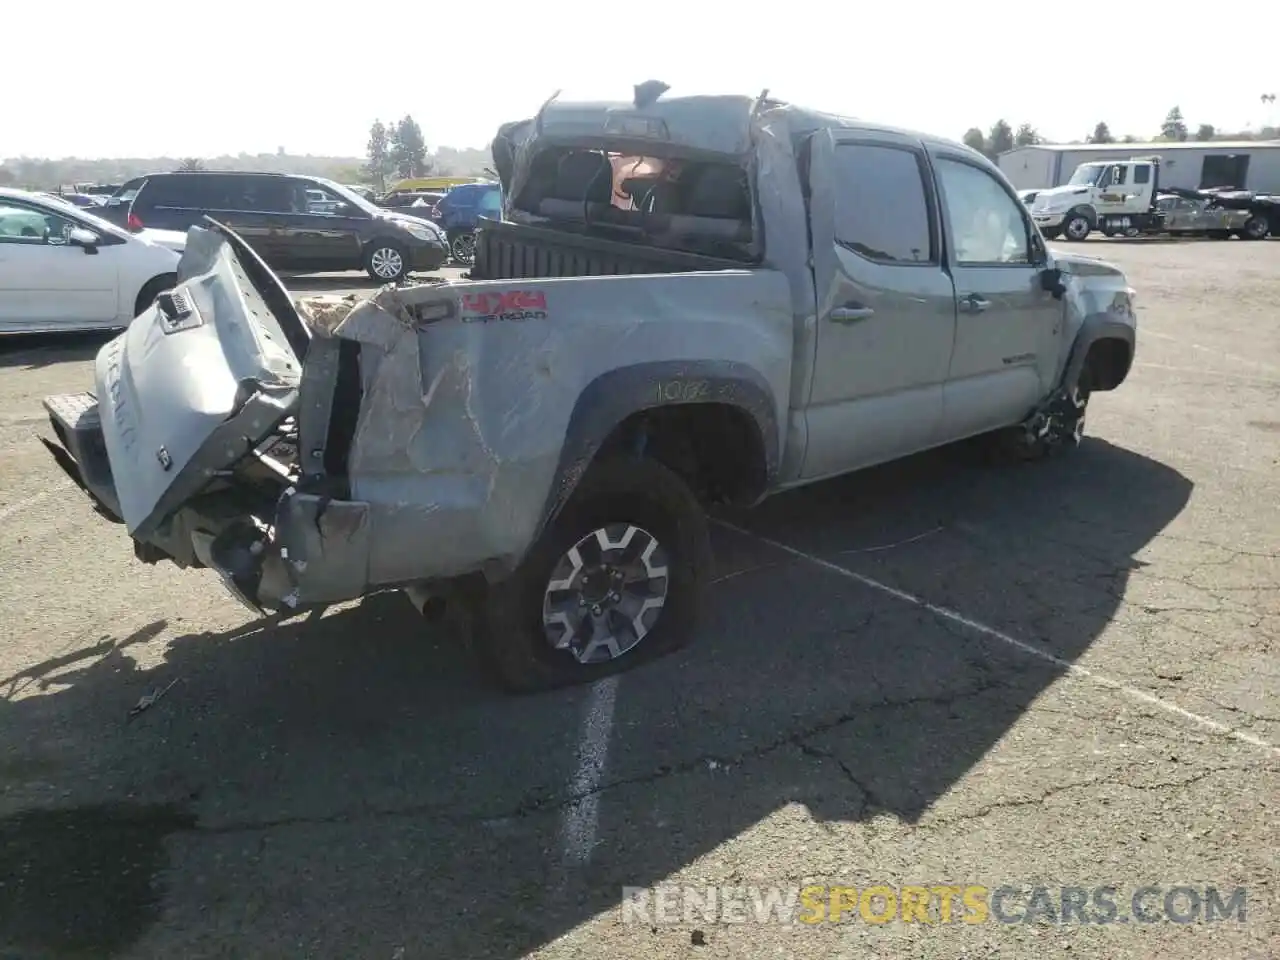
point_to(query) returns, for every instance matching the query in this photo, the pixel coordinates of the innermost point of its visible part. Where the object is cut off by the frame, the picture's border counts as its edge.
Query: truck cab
(1117, 198)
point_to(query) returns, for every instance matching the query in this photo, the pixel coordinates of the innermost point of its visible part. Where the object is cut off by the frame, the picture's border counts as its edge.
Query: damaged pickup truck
(689, 301)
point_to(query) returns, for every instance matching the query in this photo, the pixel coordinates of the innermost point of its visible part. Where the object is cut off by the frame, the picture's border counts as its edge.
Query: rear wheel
(152, 289)
(462, 247)
(386, 261)
(1255, 228)
(615, 581)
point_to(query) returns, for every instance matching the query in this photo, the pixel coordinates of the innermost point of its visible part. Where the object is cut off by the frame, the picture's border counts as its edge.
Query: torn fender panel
(322, 552)
(463, 421)
(1099, 304)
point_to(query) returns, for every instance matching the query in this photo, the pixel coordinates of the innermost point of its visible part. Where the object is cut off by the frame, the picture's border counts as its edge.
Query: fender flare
(1098, 327)
(1089, 212)
(617, 394)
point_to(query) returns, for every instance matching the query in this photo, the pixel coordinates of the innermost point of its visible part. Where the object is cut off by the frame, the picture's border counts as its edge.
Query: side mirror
(1051, 282)
(87, 239)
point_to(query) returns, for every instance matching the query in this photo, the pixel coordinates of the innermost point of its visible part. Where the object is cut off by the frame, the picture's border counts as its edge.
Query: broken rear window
(695, 205)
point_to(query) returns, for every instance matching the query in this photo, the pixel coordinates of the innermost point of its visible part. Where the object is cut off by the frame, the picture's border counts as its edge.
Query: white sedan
(64, 269)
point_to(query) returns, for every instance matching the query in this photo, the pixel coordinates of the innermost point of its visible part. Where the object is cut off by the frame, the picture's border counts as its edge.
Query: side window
(266, 194)
(126, 193)
(882, 212)
(23, 224)
(165, 192)
(318, 200)
(1119, 175)
(197, 191)
(987, 224)
(491, 204)
(1142, 174)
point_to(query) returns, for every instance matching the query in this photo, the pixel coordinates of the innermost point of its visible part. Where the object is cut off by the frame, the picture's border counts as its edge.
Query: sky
(173, 79)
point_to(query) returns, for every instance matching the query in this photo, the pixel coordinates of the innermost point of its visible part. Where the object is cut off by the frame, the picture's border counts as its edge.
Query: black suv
(302, 224)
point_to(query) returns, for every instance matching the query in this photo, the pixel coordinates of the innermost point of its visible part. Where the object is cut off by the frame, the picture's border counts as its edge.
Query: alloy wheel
(606, 593)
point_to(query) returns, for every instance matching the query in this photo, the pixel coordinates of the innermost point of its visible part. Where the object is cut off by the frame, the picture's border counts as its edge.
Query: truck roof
(711, 123)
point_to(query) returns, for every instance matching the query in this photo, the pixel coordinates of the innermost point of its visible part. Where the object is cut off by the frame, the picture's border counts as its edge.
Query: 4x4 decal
(512, 305)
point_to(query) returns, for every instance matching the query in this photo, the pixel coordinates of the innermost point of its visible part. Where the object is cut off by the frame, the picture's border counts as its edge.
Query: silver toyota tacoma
(688, 301)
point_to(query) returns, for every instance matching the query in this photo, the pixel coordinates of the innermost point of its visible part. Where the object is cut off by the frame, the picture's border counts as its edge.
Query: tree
(1205, 131)
(1000, 139)
(1026, 136)
(409, 150)
(1102, 134)
(1174, 127)
(191, 164)
(379, 152)
(975, 139)
(1128, 138)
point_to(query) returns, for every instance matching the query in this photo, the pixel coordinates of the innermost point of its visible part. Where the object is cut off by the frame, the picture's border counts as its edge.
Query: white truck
(1122, 199)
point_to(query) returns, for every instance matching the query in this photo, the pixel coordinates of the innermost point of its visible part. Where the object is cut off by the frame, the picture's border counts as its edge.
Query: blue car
(459, 212)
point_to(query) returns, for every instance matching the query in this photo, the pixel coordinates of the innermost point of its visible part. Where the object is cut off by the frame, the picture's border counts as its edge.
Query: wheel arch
(1104, 346)
(156, 284)
(1087, 210)
(713, 422)
(379, 240)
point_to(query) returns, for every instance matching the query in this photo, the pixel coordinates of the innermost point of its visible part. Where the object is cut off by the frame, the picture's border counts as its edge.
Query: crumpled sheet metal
(462, 421)
(352, 318)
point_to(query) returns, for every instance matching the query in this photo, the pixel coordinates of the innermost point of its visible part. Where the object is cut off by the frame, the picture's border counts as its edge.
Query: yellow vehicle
(431, 183)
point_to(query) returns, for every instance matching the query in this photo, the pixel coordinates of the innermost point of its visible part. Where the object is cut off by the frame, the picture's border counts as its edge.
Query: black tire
(1076, 227)
(509, 635)
(152, 289)
(1255, 228)
(386, 261)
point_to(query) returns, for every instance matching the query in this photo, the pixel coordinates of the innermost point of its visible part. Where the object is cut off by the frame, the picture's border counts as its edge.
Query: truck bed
(516, 251)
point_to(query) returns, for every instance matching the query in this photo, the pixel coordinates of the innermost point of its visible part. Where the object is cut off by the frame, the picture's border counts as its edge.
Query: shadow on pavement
(348, 783)
(32, 351)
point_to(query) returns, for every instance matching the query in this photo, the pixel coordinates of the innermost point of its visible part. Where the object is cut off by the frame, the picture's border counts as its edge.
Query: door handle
(850, 313)
(973, 304)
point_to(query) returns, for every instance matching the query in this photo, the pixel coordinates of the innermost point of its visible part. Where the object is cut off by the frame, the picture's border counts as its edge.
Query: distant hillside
(41, 174)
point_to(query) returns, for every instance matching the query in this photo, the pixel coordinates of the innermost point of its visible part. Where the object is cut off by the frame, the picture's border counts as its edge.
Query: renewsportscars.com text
(933, 904)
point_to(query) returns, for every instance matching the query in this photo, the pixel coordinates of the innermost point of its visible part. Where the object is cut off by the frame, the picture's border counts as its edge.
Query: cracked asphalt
(1066, 675)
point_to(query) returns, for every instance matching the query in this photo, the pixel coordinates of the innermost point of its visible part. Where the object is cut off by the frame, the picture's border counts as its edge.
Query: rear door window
(264, 195)
(882, 210)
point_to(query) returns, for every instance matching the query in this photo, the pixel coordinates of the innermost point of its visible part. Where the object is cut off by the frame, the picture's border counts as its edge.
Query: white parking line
(1065, 665)
(1212, 374)
(1181, 341)
(580, 820)
(15, 508)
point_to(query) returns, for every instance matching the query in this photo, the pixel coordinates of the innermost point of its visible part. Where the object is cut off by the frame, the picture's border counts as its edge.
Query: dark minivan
(295, 223)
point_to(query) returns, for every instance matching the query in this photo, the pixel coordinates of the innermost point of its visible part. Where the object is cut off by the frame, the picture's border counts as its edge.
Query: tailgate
(193, 385)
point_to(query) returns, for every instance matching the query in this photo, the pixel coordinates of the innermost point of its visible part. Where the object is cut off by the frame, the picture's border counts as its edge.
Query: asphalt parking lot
(931, 673)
